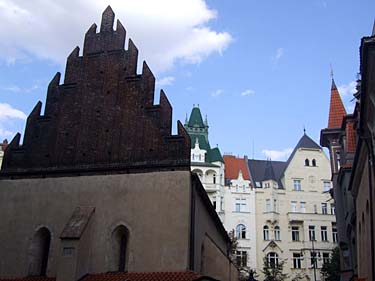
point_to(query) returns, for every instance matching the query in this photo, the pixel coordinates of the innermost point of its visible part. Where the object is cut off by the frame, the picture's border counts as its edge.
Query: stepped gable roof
(102, 119)
(196, 119)
(336, 108)
(233, 166)
(258, 168)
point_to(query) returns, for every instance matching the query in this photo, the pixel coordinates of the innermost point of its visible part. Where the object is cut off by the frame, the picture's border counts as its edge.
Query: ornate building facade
(295, 215)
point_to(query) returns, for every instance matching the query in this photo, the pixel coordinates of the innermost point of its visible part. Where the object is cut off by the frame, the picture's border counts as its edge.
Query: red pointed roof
(233, 166)
(350, 137)
(336, 108)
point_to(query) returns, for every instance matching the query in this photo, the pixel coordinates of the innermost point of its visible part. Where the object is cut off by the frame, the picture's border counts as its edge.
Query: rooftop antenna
(331, 71)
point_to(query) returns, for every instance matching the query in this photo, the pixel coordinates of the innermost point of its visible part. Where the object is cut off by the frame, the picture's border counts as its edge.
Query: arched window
(314, 162)
(277, 233)
(241, 231)
(266, 234)
(214, 178)
(119, 239)
(307, 162)
(39, 251)
(272, 259)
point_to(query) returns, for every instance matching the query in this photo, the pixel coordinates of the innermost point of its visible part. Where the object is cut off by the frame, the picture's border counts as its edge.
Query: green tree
(274, 272)
(331, 270)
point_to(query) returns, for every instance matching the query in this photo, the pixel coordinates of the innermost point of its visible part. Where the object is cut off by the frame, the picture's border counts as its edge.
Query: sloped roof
(336, 108)
(269, 173)
(203, 143)
(307, 142)
(350, 133)
(258, 169)
(147, 276)
(196, 119)
(214, 155)
(233, 166)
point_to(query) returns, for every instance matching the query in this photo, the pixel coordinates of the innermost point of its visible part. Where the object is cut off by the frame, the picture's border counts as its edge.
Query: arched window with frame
(214, 178)
(272, 259)
(307, 162)
(314, 162)
(241, 231)
(277, 233)
(119, 243)
(39, 252)
(266, 234)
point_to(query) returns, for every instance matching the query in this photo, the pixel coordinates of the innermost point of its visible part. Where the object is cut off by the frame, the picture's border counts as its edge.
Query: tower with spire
(340, 138)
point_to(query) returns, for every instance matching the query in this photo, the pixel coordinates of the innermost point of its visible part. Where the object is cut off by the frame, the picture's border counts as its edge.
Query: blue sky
(260, 70)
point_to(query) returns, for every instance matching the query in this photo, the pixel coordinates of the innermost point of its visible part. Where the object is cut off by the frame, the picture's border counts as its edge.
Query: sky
(259, 70)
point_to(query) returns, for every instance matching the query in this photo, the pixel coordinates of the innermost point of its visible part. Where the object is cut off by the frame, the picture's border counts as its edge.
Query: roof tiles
(233, 166)
(145, 276)
(336, 108)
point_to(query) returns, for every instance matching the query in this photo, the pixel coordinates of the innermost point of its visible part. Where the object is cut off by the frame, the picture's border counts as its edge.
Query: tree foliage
(331, 270)
(274, 272)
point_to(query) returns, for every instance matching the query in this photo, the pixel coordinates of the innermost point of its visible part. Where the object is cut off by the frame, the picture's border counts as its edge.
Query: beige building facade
(294, 211)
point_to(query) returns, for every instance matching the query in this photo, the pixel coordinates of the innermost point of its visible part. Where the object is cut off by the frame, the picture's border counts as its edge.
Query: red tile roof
(350, 137)
(145, 276)
(30, 279)
(336, 108)
(233, 166)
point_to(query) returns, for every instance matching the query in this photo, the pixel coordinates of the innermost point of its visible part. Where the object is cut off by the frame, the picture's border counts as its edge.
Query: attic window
(257, 184)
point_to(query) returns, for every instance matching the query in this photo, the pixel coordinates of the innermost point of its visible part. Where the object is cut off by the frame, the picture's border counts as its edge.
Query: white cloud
(8, 112)
(165, 31)
(347, 89)
(247, 92)
(277, 154)
(279, 53)
(165, 81)
(217, 93)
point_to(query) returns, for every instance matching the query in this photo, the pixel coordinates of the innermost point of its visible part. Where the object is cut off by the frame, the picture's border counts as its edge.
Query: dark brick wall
(102, 117)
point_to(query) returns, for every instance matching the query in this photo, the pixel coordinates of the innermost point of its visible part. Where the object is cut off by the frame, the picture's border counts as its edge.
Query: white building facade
(295, 219)
(240, 210)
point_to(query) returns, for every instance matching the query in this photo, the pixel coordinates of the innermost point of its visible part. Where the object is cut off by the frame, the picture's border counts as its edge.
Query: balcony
(295, 217)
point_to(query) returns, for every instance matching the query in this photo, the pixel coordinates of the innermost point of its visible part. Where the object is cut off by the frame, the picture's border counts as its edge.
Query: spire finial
(304, 130)
(331, 70)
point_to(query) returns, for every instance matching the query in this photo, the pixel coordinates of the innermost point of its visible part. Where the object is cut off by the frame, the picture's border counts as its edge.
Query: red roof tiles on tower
(233, 166)
(350, 137)
(336, 108)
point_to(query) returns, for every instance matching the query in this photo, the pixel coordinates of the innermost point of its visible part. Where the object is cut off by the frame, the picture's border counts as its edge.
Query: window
(334, 234)
(268, 205)
(274, 205)
(241, 205)
(214, 202)
(333, 209)
(338, 159)
(323, 232)
(313, 256)
(221, 203)
(267, 185)
(325, 258)
(266, 235)
(277, 233)
(214, 178)
(241, 231)
(315, 209)
(241, 258)
(294, 206)
(295, 233)
(119, 248)
(324, 208)
(307, 163)
(38, 259)
(297, 260)
(200, 158)
(272, 259)
(312, 232)
(303, 207)
(192, 156)
(297, 185)
(314, 162)
(327, 185)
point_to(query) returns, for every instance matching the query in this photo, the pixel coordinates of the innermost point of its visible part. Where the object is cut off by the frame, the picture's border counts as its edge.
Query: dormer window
(307, 162)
